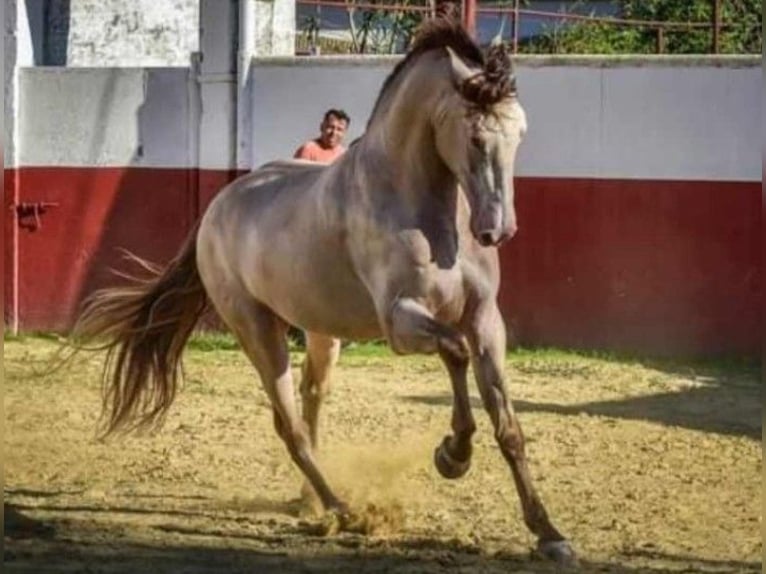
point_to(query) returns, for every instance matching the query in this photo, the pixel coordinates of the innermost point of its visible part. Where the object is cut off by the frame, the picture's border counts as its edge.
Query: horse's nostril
(486, 239)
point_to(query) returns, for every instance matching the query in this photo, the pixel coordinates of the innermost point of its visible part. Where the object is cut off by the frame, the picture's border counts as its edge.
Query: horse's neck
(403, 138)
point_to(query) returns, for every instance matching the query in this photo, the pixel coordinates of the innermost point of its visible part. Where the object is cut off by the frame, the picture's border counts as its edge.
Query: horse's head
(478, 130)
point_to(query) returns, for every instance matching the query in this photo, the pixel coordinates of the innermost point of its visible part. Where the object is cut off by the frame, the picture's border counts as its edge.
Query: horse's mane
(496, 80)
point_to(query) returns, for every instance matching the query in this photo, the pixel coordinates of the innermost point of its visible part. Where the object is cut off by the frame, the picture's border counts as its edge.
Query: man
(327, 147)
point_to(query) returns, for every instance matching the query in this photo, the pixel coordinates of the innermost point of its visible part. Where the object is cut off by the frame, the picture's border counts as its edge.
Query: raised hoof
(559, 551)
(447, 466)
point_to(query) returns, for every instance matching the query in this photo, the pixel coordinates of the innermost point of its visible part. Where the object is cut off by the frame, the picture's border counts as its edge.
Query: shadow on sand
(716, 406)
(68, 545)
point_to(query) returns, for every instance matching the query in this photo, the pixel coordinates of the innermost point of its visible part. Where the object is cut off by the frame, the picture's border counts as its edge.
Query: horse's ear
(460, 70)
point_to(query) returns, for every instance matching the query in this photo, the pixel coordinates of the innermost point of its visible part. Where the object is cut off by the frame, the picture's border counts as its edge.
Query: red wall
(99, 212)
(653, 267)
(659, 267)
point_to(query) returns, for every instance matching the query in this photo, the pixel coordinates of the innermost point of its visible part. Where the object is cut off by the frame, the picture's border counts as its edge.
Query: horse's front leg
(453, 456)
(486, 338)
(411, 328)
(321, 356)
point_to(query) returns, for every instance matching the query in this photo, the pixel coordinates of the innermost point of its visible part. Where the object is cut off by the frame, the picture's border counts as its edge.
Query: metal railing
(470, 9)
(516, 13)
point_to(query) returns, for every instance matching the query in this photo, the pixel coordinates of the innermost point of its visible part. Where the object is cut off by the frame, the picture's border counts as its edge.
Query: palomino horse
(396, 239)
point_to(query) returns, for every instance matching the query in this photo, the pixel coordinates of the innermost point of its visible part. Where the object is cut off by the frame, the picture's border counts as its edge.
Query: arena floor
(648, 468)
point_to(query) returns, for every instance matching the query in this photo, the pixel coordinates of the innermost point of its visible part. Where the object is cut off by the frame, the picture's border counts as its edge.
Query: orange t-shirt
(312, 151)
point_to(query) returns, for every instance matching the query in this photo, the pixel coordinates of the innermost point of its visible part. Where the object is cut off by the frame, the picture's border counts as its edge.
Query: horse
(396, 240)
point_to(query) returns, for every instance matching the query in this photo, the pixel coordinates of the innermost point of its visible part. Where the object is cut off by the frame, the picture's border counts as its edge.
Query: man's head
(333, 128)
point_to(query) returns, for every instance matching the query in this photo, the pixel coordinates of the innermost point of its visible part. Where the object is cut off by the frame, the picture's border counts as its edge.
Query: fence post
(469, 16)
(716, 26)
(660, 40)
(516, 16)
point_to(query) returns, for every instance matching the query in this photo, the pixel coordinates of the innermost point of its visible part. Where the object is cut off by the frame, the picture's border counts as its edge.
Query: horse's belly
(345, 313)
(323, 298)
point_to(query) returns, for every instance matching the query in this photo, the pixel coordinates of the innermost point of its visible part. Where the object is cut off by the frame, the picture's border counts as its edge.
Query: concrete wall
(105, 33)
(275, 27)
(638, 193)
(664, 118)
(123, 117)
(638, 188)
(118, 33)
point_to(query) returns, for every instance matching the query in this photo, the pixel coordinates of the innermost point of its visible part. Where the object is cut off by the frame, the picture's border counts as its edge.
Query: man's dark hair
(340, 114)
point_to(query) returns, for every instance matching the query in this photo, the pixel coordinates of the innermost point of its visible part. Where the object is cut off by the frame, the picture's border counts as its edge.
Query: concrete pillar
(26, 53)
(9, 78)
(275, 27)
(246, 50)
(19, 52)
(266, 28)
(232, 32)
(218, 84)
(14, 50)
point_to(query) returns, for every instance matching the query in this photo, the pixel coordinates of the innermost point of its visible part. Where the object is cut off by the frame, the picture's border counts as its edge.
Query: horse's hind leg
(263, 337)
(487, 340)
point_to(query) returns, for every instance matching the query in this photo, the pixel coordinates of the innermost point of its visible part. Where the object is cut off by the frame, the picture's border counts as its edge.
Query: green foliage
(383, 32)
(370, 31)
(741, 31)
(213, 341)
(590, 38)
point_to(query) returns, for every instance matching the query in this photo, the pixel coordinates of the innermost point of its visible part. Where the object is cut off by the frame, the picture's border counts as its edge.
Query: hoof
(309, 503)
(335, 521)
(447, 466)
(559, 551)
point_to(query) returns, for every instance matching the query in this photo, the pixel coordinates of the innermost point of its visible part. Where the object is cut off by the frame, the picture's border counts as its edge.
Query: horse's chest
(445, 296)
(430, 248)
(430, 272)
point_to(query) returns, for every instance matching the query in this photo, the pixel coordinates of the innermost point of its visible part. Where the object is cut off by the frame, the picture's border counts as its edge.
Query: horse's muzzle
(495, 237)
(491, 224)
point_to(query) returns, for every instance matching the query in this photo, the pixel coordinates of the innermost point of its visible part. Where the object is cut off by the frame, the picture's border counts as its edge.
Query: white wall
(655, 119)
(139, 32)
(275, 27)
(105, 117)
(649, 118)
(134, 33)
(290, 96)
(11, 46)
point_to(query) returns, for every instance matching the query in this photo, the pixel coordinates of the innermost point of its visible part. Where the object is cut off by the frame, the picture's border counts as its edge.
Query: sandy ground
(646, 469)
